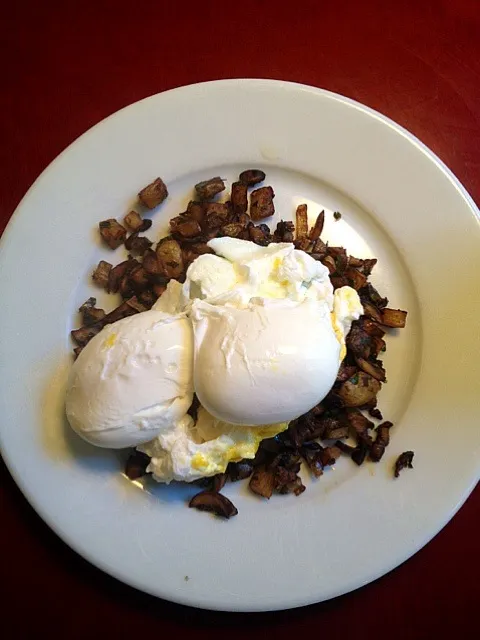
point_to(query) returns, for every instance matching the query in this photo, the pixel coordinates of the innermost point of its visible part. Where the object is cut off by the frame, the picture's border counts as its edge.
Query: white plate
(399, 203)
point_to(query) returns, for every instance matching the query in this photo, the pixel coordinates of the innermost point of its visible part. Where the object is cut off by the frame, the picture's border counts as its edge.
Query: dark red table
(67, 65)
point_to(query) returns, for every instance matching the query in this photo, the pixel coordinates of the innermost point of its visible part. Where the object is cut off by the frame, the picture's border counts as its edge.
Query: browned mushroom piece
(329, 262)
(301, 223)
(209, 188)
(395, 318)
(371, 311)
(135, 303)
(100, 275)
(189, 228)
(375, 413)
(341, 260)
(118, 272)
(359, 390)
(358, 341)
(371, 327)
(239, 198)
(150, 262)
(195, 211)
(137, 245)
(218, 482)
(375, 369)
(317, 229)
(262, 482)
(404, 461)
(330, 455)
(232, 230)
(153, 194)
(312, 454)
(170, 258)
(368, 265)
(240, 470)
(83, 335)
(284, 231)
(359, 453)
(135, 222)
(136, 465)
(258, 236)
(112, 232)
(216, 214)
(344, 447)
(251, 177)
(378, 346)
(147, 298)
(319, 250)
(338, 282)
(370, 294)
(90, 314)
(355, 278)
(334, 429)
(214, 503)
(345, 371)
(261, 203)
(381, 441)
(122, 311)
(360, 426)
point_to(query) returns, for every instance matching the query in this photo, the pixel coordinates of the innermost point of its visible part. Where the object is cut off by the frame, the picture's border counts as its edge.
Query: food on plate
(214, 502)
(112, 232)
(209, 188)
(236, 353)
(153, 194)
(132, 380)
(404, 461)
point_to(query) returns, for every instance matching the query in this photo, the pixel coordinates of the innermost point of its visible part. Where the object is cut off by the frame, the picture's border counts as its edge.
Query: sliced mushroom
(240, 470)
(359, 389)
(375, 369)
(112, 232)
(137, 245)
(251, 177)
(261, 203)
(83, 335)
(317, 229)
(395, 318)
(371, 327)
(404, 461)
(189, 228)
(262, 482)
(90, 314)
(136, 465)
(100, 275)
(195, 211)
(209, 188)
(311, 453)
(153, 194)
(356, 279)
(239, 198)
(170, 258)
(301, 222)
(118, 272)
(214, 503)
(135, 222)
(219, 481)
(381, 442)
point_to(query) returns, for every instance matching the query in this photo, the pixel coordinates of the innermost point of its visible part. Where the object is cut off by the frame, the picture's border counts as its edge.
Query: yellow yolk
(110, 341)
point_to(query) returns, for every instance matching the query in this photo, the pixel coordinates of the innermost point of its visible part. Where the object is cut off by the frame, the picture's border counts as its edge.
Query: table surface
(70, 64)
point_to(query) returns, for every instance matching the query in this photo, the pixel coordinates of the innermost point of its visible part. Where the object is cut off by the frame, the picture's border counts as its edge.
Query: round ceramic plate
(399, 203)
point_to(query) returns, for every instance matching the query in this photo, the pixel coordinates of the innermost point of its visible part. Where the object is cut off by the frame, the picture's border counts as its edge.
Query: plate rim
(181, 597)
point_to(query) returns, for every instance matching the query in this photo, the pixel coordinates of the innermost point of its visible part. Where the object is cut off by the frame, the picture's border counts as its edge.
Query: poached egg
(257, 332)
